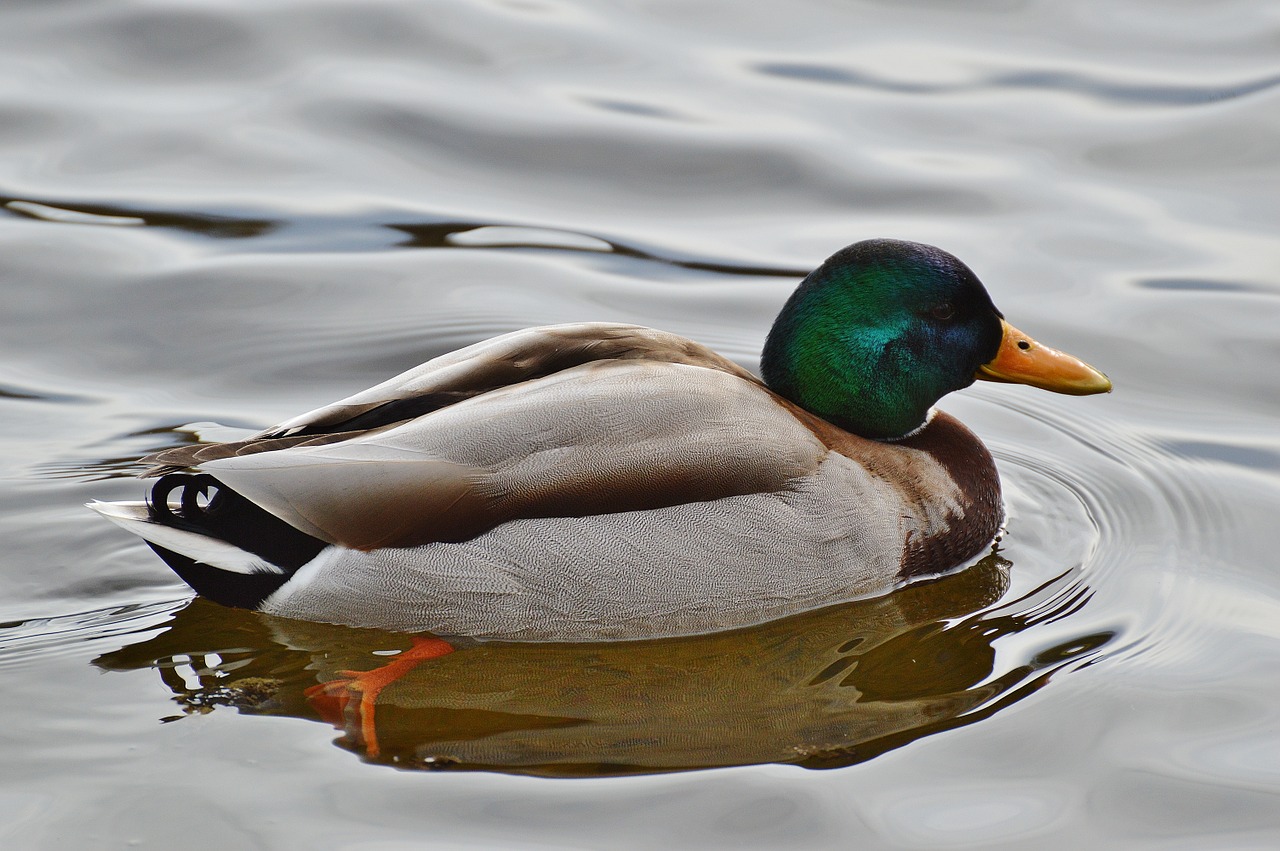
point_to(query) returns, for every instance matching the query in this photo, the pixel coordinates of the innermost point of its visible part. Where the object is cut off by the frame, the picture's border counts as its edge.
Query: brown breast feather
(963, 459)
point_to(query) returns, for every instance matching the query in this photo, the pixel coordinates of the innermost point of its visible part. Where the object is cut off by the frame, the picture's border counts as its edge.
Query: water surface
(231, 212)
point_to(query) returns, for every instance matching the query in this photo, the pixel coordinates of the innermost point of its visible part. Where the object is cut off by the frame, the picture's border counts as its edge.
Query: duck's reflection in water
(823, 689)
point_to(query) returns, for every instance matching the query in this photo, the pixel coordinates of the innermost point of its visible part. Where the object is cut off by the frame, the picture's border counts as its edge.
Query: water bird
(608, 481)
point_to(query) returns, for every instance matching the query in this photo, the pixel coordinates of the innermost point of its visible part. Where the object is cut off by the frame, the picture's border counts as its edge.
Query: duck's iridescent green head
(882, 330)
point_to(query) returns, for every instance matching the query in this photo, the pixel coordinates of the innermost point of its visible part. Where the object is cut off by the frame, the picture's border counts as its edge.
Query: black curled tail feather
(207, 507)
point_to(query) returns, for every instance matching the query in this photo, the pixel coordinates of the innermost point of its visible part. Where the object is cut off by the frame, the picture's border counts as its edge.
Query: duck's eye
(943, 311)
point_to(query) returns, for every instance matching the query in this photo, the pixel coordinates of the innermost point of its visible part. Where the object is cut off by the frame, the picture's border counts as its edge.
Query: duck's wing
(454, 377)
(642, 420)
(601, 438)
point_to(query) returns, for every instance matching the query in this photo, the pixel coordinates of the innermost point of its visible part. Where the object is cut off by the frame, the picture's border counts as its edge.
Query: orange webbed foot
(331, 699)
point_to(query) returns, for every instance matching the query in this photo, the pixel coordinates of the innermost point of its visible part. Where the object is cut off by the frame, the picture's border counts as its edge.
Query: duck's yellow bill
(1021, 360)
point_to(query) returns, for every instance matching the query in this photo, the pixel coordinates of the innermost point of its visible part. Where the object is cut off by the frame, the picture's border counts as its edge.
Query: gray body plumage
(689, 568)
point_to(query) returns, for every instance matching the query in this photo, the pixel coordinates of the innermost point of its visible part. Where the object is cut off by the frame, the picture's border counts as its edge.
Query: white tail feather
(135, 517)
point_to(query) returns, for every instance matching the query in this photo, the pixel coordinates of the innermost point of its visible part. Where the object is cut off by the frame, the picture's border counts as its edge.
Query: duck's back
(608, 435)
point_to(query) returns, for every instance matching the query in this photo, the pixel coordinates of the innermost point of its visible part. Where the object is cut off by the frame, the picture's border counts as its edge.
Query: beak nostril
(1024, 345)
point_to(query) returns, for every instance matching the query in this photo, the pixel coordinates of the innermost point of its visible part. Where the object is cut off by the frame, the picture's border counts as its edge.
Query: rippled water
(231, 212)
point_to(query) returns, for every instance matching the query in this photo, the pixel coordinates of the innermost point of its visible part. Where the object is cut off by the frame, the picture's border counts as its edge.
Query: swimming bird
(601, 481)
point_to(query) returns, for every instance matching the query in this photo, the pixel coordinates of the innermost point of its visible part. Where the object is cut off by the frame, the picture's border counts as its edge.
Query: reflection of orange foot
(332, 698)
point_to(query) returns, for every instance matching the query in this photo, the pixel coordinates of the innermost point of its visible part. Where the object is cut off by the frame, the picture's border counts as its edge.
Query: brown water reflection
(821, 690)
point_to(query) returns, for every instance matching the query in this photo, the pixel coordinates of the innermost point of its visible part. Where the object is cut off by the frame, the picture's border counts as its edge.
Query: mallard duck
(600, 480)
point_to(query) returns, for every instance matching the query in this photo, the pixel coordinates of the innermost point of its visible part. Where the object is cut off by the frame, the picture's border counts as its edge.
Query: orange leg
(332, 698)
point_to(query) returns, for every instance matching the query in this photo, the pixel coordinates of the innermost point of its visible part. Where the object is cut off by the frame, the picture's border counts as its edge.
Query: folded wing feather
(607, 435)
(457, 376)
(510, 359)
